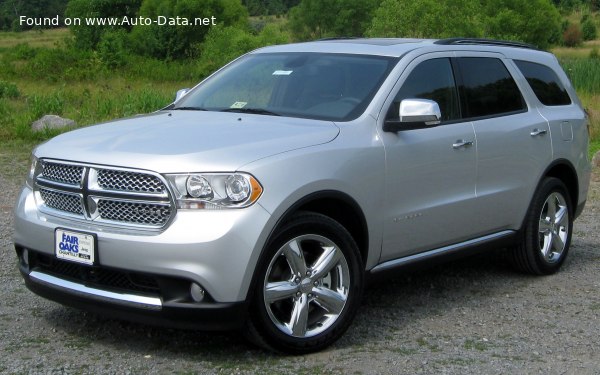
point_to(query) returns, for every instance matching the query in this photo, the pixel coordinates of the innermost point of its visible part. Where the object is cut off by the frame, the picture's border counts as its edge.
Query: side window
(545, 83)
(434, 80)
(488, 88)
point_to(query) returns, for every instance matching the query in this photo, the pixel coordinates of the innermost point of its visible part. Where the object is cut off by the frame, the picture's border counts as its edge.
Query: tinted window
(488, 88)
(545, 83)
(434, 80)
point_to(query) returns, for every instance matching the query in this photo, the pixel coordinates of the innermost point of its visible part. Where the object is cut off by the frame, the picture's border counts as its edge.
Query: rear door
(513, 140)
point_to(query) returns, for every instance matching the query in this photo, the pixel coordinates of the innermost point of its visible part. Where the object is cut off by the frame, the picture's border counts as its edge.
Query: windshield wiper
(189, 109)
(258, 111)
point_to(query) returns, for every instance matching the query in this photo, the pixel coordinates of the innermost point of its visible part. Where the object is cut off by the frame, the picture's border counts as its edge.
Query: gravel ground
(471, 316)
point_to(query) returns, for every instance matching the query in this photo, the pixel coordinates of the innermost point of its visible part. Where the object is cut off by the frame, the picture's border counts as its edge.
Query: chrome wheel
(553, 227)
(306, 286)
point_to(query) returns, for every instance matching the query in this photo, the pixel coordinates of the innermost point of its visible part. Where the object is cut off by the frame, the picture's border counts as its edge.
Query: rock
(51, 122)
(596, 159)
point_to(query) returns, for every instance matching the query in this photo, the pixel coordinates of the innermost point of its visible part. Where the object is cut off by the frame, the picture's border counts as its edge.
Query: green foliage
(40, 105)
(533, 21)
(313, 19)
(8, 90)
(88, 36)
(588, 29)
(584, 74)
(223, 44)
(10, 10)
(60, 64)
(572, 36)
(177, 41)
(426, 19)
(594, 54)
(269, 7)
(112, 48)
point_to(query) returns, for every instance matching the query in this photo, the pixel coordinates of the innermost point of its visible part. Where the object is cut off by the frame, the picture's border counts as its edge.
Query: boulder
(51, 122)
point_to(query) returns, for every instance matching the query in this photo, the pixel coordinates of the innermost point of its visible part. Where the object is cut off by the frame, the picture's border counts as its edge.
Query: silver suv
(264, 197)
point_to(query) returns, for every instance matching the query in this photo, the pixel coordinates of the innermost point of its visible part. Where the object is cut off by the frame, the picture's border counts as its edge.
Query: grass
(594, 147)
(584, 74)
(576, 53)
(34, 38)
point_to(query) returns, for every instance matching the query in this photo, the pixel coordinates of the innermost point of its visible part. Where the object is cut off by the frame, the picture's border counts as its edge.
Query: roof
(394, 47)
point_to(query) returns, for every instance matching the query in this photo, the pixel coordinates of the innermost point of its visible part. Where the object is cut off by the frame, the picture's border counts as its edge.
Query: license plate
(75, 246)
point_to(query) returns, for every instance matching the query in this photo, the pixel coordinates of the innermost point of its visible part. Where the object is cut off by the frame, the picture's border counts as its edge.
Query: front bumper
(216, 249)
(138, 309)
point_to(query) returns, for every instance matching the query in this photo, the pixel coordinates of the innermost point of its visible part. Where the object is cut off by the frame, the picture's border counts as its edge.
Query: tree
(11, 10)
(164, 41)
(532, 21)
(314, 19)
(88, 36)
(426, 19)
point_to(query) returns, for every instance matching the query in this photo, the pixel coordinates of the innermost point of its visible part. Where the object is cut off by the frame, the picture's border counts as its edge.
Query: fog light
(25, 257)
(196, 292)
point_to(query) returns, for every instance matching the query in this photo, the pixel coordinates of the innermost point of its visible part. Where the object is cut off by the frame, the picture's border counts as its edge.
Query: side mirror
(180, 94)
(415, 114)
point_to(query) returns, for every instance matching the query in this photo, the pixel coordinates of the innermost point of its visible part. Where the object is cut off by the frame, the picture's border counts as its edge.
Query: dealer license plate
(75, 246)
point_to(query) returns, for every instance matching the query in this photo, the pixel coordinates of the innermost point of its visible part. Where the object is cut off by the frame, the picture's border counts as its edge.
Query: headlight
(32, 171)
(214, 190)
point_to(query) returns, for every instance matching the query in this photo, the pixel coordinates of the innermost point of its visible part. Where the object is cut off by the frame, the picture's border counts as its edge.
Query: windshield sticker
(238, 105)
(282, 72)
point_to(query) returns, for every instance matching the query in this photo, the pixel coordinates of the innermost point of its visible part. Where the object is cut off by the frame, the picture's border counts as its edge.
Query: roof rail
(489, 42)
(338, 38)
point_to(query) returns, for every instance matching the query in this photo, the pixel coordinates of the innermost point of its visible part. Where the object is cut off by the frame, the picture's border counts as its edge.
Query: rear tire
(308, 287)
(547, 233)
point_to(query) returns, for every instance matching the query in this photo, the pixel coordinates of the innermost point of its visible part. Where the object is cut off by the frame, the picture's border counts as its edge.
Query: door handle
(535, 132)
(462, 143)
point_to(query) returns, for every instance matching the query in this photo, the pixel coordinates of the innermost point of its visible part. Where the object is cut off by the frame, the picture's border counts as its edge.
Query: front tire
(309, 286)
(547, 233)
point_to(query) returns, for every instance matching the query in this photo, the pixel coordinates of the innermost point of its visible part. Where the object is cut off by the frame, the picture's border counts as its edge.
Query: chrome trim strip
(93, 185)
(442, 250)
(152, 301)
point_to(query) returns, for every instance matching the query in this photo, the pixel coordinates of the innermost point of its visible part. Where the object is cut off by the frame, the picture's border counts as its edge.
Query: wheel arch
(564, 171)
(338, 206)
(332, 203)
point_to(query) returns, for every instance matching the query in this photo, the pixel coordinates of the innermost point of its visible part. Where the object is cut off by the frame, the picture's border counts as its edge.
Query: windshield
(309, 85)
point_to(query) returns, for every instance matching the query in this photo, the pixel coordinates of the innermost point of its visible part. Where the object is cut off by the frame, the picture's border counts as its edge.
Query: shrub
(223, 44)
(111, 48)
(588, 29)
(573, 36)
(173, 42)
(88, 36)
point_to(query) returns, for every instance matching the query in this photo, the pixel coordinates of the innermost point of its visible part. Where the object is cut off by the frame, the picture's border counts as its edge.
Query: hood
(187, 141)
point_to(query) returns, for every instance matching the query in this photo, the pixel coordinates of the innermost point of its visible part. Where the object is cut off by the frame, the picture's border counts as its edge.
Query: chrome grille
(134, 212)
(62, 201)
(129, 181)
(63, 173)
(100, 194)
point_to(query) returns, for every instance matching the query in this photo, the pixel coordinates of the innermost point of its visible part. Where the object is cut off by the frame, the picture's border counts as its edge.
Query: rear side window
(488, 88)
(545, 83)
